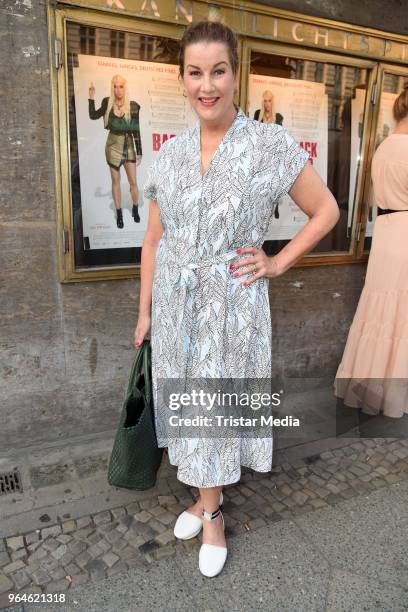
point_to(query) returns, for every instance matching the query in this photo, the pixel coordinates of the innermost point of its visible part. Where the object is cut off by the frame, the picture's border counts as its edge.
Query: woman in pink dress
(373, 373)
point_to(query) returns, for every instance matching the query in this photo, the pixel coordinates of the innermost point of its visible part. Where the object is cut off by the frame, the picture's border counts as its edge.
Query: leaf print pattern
(205, 324)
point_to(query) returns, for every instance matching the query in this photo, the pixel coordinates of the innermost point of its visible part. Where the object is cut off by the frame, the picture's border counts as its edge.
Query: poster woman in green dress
(123, 145)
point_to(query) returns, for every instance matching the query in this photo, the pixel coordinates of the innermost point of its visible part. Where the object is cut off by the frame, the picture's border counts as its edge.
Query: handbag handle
(147, 364)
(141, 370)
(137, 366)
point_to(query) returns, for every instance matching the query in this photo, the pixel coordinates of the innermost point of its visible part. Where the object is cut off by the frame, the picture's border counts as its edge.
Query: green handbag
(135, 457)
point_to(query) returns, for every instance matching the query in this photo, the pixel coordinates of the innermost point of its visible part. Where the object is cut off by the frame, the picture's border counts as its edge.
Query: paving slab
(294, 565)
(366, 535)
(157, 587)
(335, 507)
(350, 592)
(272, 568)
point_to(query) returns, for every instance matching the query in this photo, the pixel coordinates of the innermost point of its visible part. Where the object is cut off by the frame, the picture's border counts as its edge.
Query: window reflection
(345, 88)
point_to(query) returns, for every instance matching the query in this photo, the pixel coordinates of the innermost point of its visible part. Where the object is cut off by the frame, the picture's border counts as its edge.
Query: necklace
(118, 108)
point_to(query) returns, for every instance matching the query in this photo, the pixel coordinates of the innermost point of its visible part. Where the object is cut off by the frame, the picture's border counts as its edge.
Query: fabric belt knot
(187, 276)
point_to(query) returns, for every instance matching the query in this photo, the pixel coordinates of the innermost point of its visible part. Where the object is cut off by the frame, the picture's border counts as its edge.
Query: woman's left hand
(264, 265)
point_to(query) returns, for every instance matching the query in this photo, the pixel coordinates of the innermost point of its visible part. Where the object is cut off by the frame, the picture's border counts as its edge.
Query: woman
(121, 118)
(265, 114)
(212, 190)
(373, 372)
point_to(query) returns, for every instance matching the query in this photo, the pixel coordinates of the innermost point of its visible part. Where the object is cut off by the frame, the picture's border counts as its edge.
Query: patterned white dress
(205, 323)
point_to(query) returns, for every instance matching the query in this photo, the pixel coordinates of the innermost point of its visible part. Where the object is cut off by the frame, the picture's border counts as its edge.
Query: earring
(184, 94)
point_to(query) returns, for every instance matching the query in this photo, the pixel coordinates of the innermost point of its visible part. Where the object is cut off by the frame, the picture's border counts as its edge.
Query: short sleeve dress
(205, 323)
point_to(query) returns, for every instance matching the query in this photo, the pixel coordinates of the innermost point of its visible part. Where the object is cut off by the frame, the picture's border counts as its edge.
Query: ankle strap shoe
(211, 559)
(189, 525)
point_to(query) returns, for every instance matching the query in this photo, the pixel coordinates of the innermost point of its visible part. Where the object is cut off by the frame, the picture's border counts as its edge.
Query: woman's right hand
(142, 327)
(92, 91)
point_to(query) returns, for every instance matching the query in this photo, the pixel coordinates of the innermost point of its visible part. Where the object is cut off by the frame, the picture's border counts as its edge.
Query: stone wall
(66, 349)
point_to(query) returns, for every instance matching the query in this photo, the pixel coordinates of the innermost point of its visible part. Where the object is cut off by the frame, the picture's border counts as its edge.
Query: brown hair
(209, 31)
(400, 108)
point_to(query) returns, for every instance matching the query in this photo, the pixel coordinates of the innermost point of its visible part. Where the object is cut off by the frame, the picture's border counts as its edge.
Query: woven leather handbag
(135, 457)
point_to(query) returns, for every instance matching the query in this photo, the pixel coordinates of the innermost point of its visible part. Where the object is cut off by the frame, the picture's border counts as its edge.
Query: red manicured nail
(231, 266)
(238, 251)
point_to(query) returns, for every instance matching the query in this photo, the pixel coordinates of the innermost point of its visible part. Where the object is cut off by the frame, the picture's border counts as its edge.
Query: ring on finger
(253, 268)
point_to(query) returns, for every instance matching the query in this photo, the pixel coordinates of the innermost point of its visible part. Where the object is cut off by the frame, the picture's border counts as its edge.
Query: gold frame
(331, 257)
(60, 113)
(106, 18)
(243, 16)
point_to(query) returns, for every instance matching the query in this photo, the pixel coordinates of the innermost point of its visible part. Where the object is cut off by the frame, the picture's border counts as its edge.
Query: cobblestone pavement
(59, 557)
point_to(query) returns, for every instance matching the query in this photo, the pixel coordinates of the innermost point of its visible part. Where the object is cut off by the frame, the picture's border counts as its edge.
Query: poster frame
(67, 270)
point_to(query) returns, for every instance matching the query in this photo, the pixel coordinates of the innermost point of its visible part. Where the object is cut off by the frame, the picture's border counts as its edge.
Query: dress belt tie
(186, 280)
(187, 275)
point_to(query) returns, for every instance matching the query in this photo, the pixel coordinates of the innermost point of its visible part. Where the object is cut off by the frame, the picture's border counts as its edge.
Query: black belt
(387, 211)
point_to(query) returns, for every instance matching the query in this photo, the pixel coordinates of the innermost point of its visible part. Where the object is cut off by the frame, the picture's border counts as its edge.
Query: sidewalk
(323, 532)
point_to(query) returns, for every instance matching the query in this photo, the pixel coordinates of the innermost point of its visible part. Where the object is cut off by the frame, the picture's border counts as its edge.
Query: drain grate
(10, 482)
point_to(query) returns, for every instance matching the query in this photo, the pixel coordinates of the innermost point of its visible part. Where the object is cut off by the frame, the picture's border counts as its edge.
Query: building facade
(68, 309)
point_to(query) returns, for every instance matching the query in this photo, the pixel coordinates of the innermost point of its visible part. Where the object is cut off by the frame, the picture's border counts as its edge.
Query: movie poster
(156, 111)
(385, 127)
(302, 108)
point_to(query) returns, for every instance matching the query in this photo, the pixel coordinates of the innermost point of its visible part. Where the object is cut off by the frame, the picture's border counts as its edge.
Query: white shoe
(188, 525)
(212, 558)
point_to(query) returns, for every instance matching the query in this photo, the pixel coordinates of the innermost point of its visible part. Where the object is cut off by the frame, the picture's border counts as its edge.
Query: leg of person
(190, 522)
(130, 168)
(116, 194)
(213, 551)
(213, 532)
